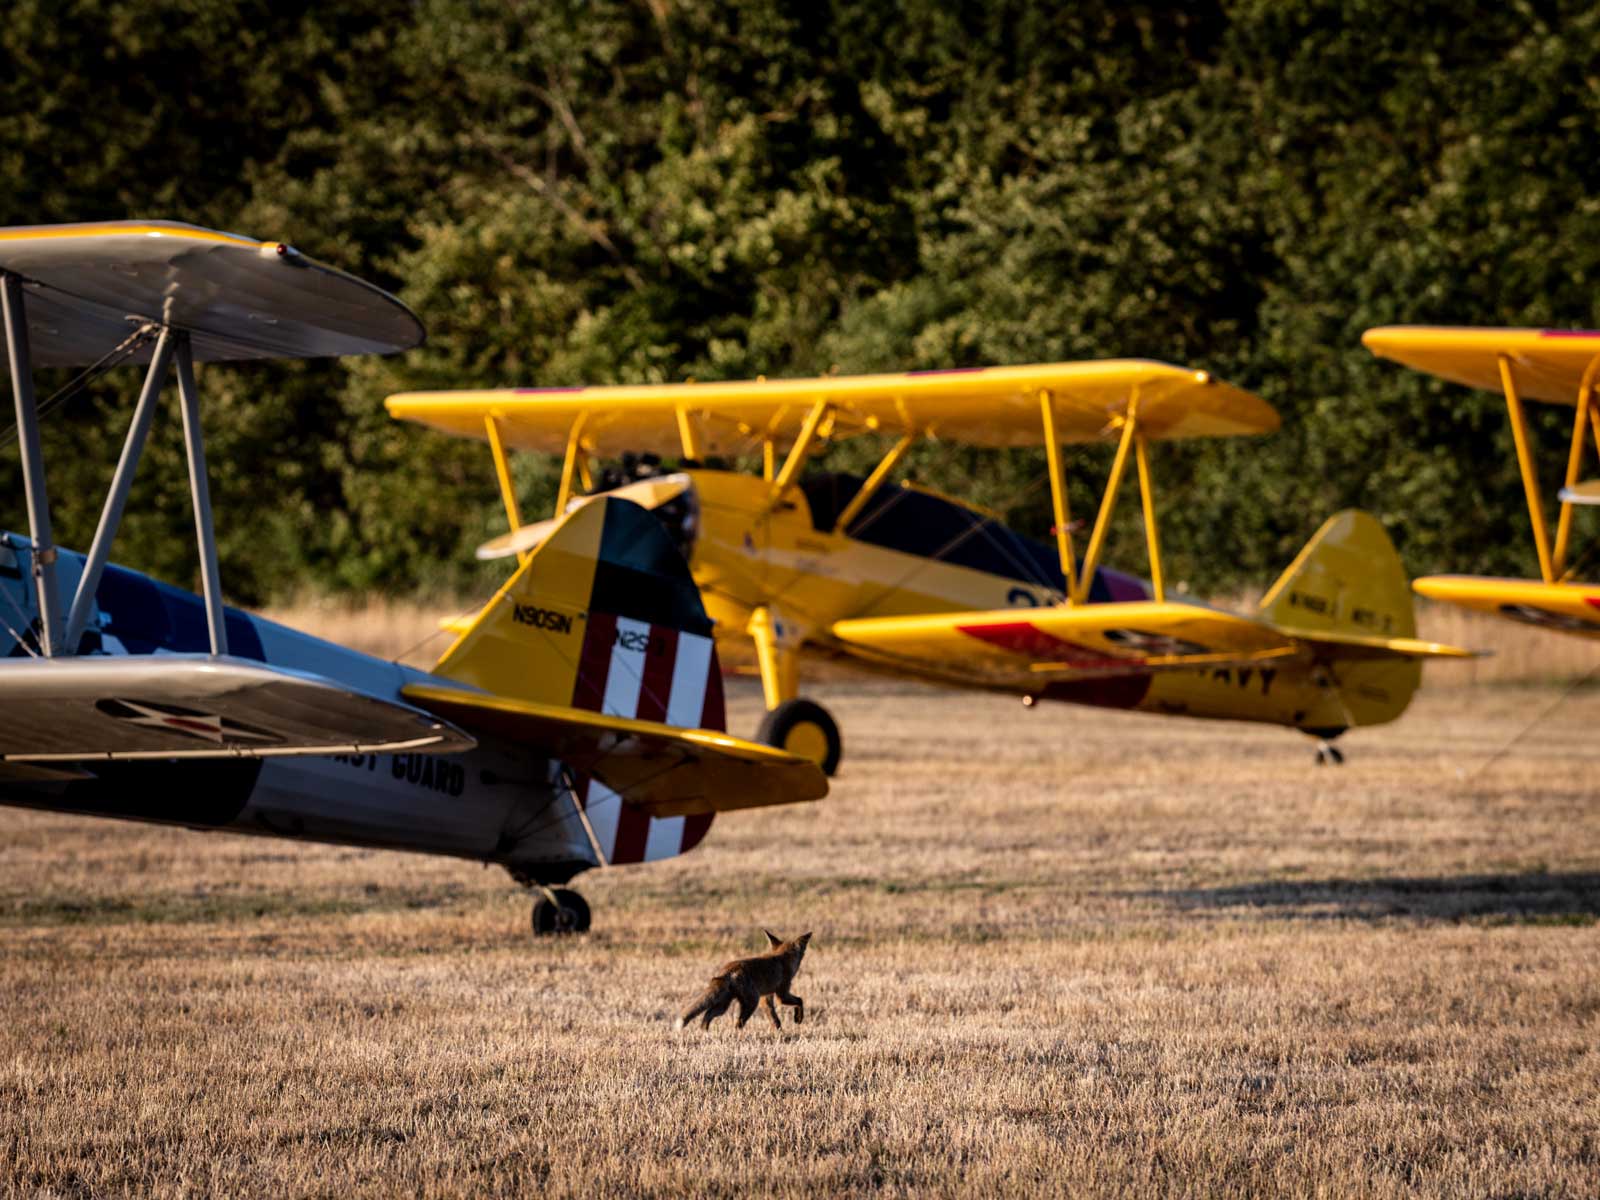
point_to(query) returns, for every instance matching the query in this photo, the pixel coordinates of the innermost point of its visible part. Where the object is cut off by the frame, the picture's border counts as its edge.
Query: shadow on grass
(223, 907)
(1535, 898)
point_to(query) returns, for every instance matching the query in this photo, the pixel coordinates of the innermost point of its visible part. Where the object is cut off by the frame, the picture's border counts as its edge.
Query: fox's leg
(772, 1010)
(747, 1006)
(794, 1002)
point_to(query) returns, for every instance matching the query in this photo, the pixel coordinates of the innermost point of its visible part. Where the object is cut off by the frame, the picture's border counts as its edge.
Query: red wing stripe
(1028, 640)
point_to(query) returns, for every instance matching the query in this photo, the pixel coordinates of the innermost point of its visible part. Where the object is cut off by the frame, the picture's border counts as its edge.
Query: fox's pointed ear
(803, 938)
(773, 940)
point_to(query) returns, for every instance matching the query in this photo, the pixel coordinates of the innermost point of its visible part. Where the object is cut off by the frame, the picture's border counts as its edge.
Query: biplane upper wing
(89, 286)
(1015, 647)
(99, 707)
(988, 406)
(1550, 364)
(659, 769)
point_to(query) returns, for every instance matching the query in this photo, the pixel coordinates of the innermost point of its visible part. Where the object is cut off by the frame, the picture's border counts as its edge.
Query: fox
(759, 979)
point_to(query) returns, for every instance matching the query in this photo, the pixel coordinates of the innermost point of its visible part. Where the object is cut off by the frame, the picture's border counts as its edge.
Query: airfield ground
(1056, 951)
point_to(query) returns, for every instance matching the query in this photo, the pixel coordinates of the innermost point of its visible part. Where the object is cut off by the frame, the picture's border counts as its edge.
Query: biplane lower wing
(1043, 645)
(161, 706)
(1032, 646)
(663, 770)
(1569, 607)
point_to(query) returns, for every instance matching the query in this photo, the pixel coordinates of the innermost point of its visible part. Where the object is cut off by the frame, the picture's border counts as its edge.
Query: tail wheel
(803, 728)
(560, 910)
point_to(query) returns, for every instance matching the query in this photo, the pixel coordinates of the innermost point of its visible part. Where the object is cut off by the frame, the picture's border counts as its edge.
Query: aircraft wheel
(560, 911)
(1329, 755)
(803, 727)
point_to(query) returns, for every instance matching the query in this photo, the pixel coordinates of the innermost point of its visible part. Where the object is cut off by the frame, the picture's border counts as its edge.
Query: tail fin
(603, 616)
(1347, 579)
(1347, 594)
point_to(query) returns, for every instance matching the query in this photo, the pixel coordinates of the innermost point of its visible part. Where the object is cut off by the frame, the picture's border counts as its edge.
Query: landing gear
(1329, 755)
(803, 727)
(560, 910)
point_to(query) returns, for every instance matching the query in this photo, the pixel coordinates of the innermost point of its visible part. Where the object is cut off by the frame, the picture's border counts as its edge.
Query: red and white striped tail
(631, 668)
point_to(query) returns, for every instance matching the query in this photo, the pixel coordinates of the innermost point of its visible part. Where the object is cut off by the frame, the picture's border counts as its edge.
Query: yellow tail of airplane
(1347, 595)
(598, 646)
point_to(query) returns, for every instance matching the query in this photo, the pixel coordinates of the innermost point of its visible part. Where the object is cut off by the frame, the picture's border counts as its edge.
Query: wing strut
(880, 473)
(502, 472)
(205, 531)
(797, 453)
(117, 498)
(1058, 490)
(1530, 475)
(1108, 502)
(1152, 535)
(1080, 581)
(569, 466)
(43, 558)
(1586, 415)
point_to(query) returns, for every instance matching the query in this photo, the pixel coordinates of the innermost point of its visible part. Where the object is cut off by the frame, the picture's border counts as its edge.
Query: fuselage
(495, 803)
(909, 551)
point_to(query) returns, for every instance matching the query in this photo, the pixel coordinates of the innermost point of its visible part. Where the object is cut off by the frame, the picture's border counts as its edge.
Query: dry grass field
(1056, 951)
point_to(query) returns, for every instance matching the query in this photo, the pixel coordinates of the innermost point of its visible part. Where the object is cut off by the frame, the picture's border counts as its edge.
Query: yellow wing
(665, 771)
(1017, 648)
(1568, 607)
(1549, 363)
(988, 406)
(1033, 646)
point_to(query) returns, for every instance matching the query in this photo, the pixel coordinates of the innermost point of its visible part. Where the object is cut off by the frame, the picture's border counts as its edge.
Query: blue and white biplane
(572, 723)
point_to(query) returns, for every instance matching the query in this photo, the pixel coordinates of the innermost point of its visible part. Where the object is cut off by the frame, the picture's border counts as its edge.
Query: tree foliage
(594, 192)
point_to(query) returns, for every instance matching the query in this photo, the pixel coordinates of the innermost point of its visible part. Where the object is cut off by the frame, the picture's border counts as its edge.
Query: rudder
(603, 616)
(1348, 579)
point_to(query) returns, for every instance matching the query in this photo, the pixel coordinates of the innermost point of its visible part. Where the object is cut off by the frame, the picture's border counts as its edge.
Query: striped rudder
(604, 616)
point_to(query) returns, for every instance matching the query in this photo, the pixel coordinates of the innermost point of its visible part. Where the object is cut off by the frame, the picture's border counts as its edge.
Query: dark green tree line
(597, 192)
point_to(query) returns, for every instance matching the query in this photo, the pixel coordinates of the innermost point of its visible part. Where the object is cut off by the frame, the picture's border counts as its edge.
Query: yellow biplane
(1557, 367)
(909, 581)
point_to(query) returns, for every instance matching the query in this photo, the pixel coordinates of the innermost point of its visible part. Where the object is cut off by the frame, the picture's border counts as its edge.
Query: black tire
(808, 724)
(570, 914)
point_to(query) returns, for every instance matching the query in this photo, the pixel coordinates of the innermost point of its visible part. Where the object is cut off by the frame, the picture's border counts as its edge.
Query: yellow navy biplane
(1554, 366)
(909, 581)
(547, 743)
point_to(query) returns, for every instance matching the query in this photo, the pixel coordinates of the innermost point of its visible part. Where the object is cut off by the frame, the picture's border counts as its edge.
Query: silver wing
(198, 706)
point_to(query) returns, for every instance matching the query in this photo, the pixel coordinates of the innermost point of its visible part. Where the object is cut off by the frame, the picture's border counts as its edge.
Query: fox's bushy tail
(710, 998)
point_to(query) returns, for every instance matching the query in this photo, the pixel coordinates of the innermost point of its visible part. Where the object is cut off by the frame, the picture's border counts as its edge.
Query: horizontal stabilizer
(197, 706)
(1025, 646)
(660, 769)
(1349, 646)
